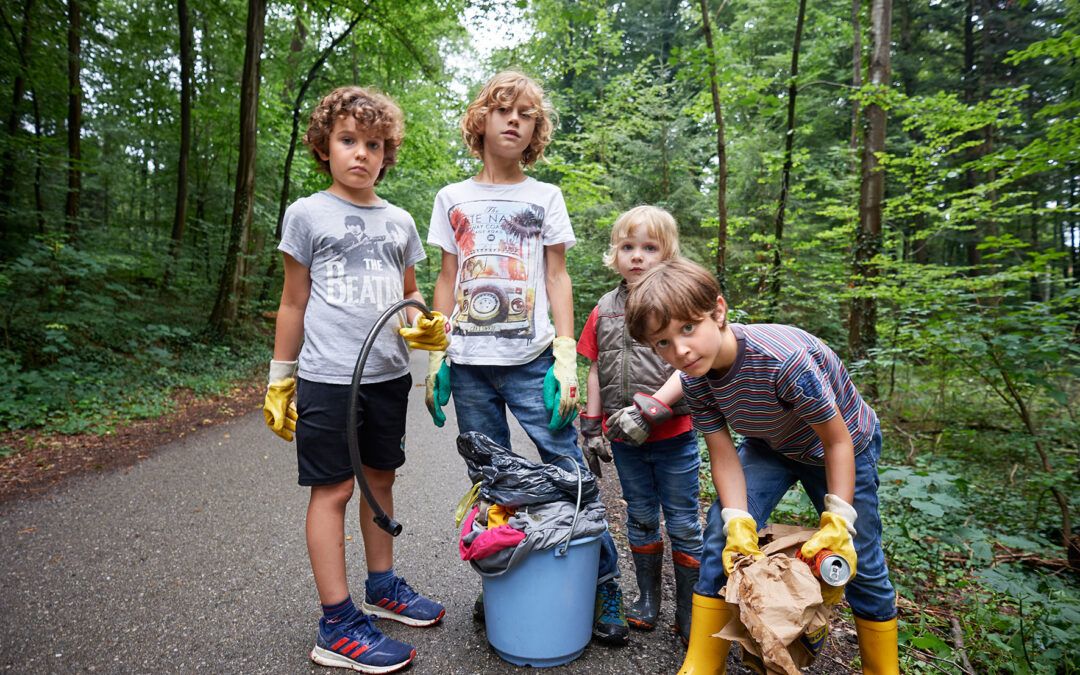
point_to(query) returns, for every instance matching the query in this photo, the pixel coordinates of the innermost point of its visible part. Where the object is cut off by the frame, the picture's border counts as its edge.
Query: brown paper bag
(782, 622)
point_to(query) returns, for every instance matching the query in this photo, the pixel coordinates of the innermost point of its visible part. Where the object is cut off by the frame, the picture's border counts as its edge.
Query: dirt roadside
(45, 460)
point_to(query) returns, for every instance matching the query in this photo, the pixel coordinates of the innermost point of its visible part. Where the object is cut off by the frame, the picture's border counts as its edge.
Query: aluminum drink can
(830, 568)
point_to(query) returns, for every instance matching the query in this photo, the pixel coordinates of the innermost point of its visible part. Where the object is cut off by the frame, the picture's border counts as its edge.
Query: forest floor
(45, 461)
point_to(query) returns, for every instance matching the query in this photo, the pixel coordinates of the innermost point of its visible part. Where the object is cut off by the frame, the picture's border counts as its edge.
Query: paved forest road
(194, 561)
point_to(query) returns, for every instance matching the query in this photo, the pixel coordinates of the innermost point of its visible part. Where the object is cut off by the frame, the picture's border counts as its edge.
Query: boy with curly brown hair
(349, 255)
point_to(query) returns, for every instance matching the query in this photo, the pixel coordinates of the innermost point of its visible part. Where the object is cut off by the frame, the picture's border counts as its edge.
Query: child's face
(508, 129)
(356, 157)
(693, 346)
(637, 253)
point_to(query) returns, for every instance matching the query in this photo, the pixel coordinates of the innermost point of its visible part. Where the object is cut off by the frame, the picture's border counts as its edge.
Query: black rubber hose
(381, 518)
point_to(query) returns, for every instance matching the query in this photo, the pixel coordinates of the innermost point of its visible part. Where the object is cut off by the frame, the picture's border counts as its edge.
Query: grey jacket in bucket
(545, 526)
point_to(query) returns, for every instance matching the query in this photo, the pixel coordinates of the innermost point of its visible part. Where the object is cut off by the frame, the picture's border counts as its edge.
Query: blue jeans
(768, 476)
(481, 396)
(661, 474)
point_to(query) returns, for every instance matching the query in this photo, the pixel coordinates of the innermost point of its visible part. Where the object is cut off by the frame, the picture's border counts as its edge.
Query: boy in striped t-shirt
(801, 419)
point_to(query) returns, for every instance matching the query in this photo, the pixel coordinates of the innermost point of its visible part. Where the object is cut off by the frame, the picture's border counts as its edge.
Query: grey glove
(594, 449)
(633, 424)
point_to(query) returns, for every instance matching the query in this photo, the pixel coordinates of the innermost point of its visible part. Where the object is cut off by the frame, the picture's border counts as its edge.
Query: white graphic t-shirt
(498, 233)
(357, 256)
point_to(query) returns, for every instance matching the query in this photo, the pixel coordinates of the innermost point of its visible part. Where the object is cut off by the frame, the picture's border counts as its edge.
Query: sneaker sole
(400, 618)
(325, 657)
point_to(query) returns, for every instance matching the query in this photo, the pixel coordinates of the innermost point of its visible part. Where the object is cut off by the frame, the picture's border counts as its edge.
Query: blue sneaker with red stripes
(360, 646)
(399, 602)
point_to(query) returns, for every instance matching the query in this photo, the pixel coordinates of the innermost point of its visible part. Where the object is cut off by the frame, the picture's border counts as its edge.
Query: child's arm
(836, 528)
(442, 300)
(289, 328)
(561, 397)
(560, 290)
(739, 526)
(278, 408)
(594, 406)
(727, 473)
(591, 423)
(635, 422)
(411, 292)
(839, 456)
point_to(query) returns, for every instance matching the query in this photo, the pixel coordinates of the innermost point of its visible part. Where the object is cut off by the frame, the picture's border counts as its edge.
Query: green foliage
(80, 354)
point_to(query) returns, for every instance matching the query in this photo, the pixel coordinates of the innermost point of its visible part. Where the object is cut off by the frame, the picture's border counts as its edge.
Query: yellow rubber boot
(707, 655)
(877, 646)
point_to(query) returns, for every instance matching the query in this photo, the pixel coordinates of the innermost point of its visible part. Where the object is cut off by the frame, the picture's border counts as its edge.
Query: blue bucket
(540, 613)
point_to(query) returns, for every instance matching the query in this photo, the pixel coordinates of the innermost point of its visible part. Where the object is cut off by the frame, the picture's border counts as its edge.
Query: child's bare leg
(378, 544)
(325, 530)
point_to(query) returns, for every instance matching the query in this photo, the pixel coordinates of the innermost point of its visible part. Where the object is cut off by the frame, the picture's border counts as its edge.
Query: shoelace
(363, 625)
(612, 600)
(401, 591)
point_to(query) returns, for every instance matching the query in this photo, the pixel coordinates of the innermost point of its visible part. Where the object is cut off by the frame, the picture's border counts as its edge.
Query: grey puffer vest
(625, 365)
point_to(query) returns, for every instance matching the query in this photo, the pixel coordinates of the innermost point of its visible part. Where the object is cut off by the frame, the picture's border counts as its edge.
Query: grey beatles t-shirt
(357, 256)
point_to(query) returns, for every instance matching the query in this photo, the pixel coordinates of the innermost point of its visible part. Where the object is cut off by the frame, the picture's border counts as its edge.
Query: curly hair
(374, 111)
(504, 89)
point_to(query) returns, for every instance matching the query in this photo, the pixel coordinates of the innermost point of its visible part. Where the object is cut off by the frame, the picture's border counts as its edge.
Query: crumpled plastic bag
(782, 621)
(511, 480)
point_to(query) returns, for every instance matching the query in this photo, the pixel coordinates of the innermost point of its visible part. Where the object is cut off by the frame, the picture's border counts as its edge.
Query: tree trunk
(7, 180)
(74, 125)
(862, 329)
(721, 156)
(180, 213)
(227, 305)
(785, 173)
(856, 79)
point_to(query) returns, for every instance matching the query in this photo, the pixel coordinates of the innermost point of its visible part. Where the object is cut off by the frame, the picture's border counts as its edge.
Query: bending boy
(802, 419)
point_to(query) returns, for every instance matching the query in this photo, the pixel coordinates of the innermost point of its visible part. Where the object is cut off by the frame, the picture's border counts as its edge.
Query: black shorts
(322, 448)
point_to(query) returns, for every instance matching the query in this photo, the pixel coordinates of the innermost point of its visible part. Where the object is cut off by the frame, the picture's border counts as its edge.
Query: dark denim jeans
(481, 396)
(768, 476)
(661, 474)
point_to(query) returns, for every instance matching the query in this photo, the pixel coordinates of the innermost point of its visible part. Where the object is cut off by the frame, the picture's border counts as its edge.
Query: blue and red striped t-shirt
(783, 380)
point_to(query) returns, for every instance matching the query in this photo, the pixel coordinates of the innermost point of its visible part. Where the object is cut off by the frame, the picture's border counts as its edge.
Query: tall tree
(785, 172)
(180, 213)
(721, 154)
(74, 121)
(227, 305)
(7, 163)
(862, 318)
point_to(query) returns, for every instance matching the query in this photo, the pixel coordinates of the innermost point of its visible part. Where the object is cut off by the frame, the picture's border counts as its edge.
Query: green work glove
(560, 384)
(633, 424)
(431, 334)
(594, 448)
(834, 533)
(741, 532)
(279, 408)
(437, 386)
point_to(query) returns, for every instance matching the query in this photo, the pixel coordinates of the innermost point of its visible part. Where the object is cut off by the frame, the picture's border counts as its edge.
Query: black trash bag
(511, 480)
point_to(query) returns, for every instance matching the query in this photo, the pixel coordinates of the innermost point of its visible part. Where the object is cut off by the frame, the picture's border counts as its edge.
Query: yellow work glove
(741, 532)
(834, 533)
(437, 386)
(279, 408)
(560, 383)
(431, 334)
